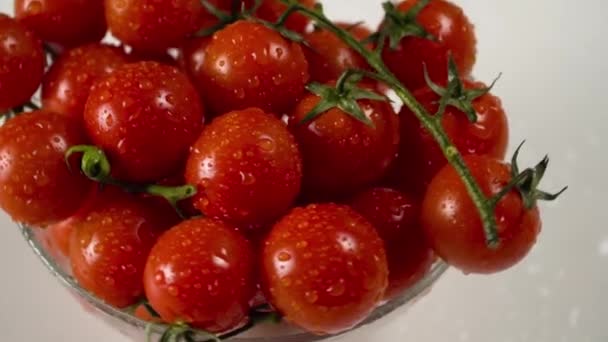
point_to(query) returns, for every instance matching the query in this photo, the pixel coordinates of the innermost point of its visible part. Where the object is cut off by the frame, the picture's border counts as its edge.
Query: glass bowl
(135, 328)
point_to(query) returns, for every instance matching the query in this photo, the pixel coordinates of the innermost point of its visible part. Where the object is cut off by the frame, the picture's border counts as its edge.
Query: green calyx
(398, 25)
(343, 96)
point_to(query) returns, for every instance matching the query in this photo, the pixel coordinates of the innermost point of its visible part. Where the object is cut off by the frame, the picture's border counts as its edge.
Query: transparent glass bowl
(135, 328)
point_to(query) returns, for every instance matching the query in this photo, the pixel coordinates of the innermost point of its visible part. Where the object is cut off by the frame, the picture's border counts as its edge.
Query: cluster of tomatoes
(325, 216)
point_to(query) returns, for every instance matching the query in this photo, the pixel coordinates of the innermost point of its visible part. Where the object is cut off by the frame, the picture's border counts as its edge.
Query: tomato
(110, 244)
(163, 57)
(142, 313)
(67, 84)
(67, 23)
(22, 62)
(192, 55)
(247, 168)
(324, 268)
(454, 34)
(144, 116)
(36, 186)
(200, 272)
(328, 56)
(59, 237)
(396, 217)
(420, 157)
(453, 226)
(151, 25)
(271, 10)
(340, 153)
(249, 65)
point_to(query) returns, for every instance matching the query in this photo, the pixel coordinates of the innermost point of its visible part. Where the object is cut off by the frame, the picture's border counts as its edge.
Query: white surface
(555, 61)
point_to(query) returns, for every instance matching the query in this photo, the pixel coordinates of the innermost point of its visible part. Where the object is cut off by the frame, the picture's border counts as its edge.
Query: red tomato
(396, 217)
(271, 10)
(36, 186)
(249, 65)
(67, 23)
(454, 34)
(420, 157)
(152, 25)
(201, 272)
(328, 56)
(247, 168)
(59, 236)
(340, 153)
(163, 57)
(453, 226)
(144, 116)
(192, 56)
(67, 84)
(324, 268)
(142, 313)
(110, 244)
(22, 62)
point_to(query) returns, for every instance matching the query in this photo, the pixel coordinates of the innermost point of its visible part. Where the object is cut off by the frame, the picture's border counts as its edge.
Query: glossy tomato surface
(144, 116)
(324, 268)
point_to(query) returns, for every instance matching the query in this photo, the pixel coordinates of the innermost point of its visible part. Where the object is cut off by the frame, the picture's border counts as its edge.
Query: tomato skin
(201, 272)
(110, 245)
(150, 25)
(22, 63)
(144, 116)
(36, 187)
(67, 23)
(67, 84)
(249, 65)
(341, 154)
(454, 34)
(247, 168)
(396, 217)
(192, 56)
(453, 227)
(324, 268)
(420, 157)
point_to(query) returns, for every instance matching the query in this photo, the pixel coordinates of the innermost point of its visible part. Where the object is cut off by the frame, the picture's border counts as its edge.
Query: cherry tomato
(454, 34)
(67, 23)
(110, 244)
(163, 57)
(192, 56)
(324, 268)
(453, 226)
(420, 157)
(201, 272)
(142, 313)
(151, 25)
(58, 237)
(328, 56)
(247, 168)
(144, 116)
(271, 10)
(67, 84)
(396, 217)
(36, 186)
(249, 65)
(341, 154)
(22, 63)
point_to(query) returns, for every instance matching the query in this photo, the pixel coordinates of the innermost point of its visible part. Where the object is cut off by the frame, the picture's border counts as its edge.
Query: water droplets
(173, 291)
(311, 296)
(247, 178)
(336, 290)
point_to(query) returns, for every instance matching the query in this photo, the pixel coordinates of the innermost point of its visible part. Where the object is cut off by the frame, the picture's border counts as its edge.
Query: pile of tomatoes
(323, 219)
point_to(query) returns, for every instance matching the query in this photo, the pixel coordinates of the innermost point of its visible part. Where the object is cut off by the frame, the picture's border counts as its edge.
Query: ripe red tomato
(192, 56)
(142, 313)
(396, 217)
(67, 23)
(36, 186)
(144, 116)
(454, 34)
(340, 153)
(110, 244)
(163, 57)
(420, 157)
(328, 56)
(453, 226)
(324, 268)
(249, 65)
(58, 237)
(151, 25)
(271, 10)
(67, 84)
(201, 272)
(22, 62)
(247, 168)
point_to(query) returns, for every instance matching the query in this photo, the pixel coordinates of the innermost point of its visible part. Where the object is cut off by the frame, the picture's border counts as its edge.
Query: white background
(555, 61)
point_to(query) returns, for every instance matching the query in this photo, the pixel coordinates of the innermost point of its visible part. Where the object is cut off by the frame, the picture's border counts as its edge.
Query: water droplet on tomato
(311, 296)
(173, 291)
(247, 178)
(284, 256)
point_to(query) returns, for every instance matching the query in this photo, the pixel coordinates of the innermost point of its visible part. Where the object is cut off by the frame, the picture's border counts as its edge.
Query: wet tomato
(201, 272)
(453, 226)
(324, 268)
(22, 63)
(67, 84)
(144, 116)
(247, 168)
